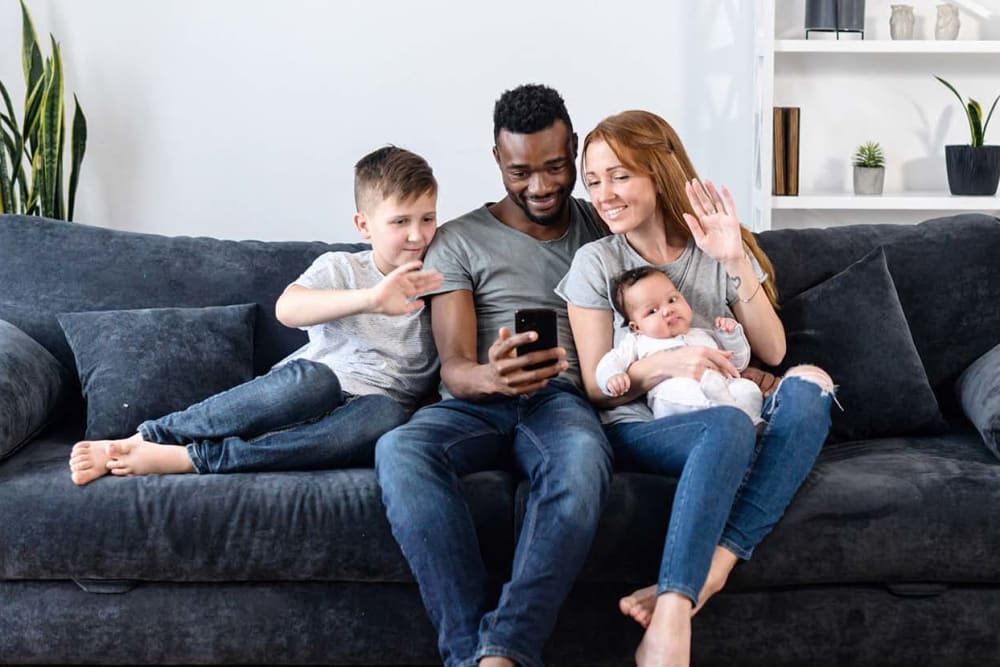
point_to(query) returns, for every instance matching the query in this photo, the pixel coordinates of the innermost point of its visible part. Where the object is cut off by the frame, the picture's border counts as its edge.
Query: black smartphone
(542, 321)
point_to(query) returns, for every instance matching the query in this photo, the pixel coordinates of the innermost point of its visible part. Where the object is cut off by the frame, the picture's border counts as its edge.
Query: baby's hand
(619, 384)
(725, 324)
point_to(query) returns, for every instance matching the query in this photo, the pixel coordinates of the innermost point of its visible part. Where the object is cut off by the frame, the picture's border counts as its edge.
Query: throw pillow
(978, 389)
(30, 383)
(852, 326)
(136, 365)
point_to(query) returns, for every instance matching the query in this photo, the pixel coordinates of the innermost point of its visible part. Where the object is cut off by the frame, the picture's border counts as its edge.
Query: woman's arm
(593, 334)
(754, 311)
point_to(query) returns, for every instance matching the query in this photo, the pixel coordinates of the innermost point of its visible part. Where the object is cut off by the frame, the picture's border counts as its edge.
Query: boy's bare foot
(138, 457)
(640, 605)
(667, 642)
(89, 459)
(496, 661)
(723, 562)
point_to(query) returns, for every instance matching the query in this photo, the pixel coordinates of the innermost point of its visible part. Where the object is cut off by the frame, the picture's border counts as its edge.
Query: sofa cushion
(323, 525)
(852, 326)
(891, 510)
(978, 391)
(31, 382)
(142, 364)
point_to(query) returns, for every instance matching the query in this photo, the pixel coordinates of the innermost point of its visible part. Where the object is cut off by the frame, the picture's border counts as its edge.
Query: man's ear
(496, 154)
(574, 144)
(361, 222)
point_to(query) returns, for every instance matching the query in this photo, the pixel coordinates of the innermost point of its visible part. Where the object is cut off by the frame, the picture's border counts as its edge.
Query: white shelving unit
(861, 58)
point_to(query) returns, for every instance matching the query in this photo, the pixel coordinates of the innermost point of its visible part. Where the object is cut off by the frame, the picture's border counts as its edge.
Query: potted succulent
(869, 169)
(973, 169)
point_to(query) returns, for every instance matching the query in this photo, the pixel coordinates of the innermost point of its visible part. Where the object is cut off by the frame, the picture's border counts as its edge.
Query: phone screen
(544, 322)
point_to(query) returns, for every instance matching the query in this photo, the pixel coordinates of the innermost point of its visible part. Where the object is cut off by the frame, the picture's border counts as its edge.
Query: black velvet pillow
(978, 389)
(852, 326)
(136, 365)
(30, 383)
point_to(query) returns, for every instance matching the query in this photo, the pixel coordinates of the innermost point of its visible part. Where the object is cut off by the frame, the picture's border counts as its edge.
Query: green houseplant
(32, 172)
(869, 169)
(974, 168)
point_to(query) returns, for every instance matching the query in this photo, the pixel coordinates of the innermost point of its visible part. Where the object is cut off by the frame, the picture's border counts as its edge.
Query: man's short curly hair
(529, 108)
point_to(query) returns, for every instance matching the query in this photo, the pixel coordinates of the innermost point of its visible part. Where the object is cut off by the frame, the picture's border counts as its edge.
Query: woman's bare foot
(639, 605)
(723, 562)
(667, 642)
(496, 661)
(138, 457)
(89, 459)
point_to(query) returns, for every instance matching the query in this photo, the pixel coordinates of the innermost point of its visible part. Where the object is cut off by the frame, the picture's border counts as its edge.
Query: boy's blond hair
(391, 171)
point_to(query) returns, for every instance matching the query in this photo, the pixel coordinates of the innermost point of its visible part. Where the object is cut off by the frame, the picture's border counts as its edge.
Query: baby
(659, 318)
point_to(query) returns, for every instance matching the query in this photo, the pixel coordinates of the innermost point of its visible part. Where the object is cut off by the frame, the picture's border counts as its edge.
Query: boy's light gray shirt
(701, 280)
(507, 270)
(393, 355)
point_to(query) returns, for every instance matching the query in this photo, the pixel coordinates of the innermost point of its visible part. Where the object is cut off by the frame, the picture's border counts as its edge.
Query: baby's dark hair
(623, 281)
(391, 171)
(527, 109)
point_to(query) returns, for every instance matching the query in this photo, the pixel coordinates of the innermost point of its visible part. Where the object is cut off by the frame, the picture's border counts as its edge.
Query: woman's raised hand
(714, 226)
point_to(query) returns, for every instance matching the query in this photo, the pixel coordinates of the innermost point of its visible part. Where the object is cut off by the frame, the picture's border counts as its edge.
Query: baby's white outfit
(677, 395)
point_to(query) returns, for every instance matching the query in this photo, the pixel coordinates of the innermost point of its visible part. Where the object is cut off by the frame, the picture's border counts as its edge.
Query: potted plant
(32, 174)
(973, 169)
(869, 169)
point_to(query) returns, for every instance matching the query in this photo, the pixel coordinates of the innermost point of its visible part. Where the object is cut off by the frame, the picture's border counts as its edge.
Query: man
(495, 260)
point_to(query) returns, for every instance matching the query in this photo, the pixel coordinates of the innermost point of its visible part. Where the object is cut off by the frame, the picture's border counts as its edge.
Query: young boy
(369, 360)
(659, 318)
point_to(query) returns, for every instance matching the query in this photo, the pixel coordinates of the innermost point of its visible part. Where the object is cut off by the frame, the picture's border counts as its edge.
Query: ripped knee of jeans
(813, 374)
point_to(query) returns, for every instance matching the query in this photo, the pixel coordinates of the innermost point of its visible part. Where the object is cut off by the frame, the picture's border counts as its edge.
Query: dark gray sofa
(887, 555)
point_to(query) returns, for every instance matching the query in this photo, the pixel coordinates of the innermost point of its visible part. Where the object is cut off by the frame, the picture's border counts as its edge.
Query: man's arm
(453, 321)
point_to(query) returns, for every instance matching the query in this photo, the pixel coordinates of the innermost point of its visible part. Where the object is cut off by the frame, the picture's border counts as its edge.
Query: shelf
(908, 201)
(910, 46)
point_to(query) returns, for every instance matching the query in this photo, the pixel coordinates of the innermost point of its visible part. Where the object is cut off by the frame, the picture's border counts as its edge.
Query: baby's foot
(640, 605)
(715, 387)
(88, 461)
(138, 457)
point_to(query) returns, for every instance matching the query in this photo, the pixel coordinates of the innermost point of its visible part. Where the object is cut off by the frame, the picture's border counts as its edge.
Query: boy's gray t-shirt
(701, 280)
(506, 270)
(392, 355)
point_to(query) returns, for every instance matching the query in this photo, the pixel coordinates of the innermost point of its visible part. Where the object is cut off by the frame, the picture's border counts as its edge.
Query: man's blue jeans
(293, 418)
(733, 487)
(557, 442)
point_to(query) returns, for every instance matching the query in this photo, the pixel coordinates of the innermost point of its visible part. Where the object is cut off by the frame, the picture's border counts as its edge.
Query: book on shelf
(786, 151)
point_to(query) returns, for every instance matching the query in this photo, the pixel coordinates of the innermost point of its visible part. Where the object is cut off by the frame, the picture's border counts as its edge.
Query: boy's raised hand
(396, 293)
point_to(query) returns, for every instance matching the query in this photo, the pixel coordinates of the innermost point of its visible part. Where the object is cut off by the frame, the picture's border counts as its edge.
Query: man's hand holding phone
(525, 361)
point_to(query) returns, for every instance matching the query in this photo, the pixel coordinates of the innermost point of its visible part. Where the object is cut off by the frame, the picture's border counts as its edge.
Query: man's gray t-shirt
(506, 269)
(701, 280)
(392, 355)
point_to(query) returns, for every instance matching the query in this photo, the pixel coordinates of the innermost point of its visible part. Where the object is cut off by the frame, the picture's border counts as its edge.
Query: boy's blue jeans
(557, 442)
(292, 418)
(733, 486)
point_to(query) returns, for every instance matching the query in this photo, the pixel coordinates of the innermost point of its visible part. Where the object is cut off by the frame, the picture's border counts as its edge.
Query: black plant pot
(973, 170)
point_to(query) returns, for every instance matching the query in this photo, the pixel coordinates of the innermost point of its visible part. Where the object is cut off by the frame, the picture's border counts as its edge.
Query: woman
(733, 484)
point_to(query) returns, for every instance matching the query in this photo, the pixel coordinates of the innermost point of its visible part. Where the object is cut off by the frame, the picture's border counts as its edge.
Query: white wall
(243, 119)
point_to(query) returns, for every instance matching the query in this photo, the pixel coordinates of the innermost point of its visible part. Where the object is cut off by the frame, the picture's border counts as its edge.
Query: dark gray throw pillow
(978, 389)
(30, 383)
(136, 365)
(852, 326)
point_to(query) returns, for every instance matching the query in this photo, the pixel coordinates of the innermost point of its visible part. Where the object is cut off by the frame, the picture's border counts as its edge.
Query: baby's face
(656, 309)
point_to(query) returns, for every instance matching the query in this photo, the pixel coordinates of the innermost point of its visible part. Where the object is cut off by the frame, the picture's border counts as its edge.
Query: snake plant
(974, 112)
(31, 153)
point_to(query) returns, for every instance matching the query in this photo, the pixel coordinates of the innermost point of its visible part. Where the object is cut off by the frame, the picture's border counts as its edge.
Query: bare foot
(723, 562)
(496, 661)
(667, 642)
(138, 457)
(639, 605)
(89, 459)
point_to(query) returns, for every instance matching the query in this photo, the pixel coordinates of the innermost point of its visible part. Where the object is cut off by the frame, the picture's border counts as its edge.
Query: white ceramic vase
(948, 22)
(901, 22)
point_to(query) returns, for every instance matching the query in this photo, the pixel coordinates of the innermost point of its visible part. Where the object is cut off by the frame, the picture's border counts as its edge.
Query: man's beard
(553, 218)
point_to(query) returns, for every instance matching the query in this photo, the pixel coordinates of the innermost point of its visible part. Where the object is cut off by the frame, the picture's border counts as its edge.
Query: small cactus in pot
(869, 169)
